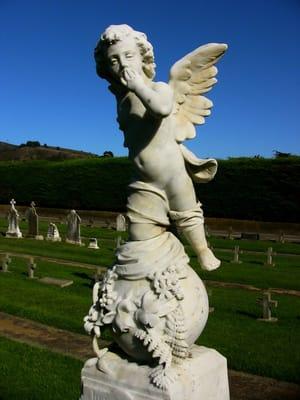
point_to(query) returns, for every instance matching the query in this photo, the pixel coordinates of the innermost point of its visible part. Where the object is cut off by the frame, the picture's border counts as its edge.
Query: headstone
(53, 234)
(90, 222)
(5, 261)
(236, 254)
(207, 231)
(93, 244)
(56, 282)
(31, 268)
(121, 223)
(270, 255)
(33, 222)
(267, 304)
(13, 222)
(281, 237)
(73, 228)
(230, 233)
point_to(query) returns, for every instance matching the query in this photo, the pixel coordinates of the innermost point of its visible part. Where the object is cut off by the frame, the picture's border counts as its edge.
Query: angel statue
(156, 305)
(156, 118)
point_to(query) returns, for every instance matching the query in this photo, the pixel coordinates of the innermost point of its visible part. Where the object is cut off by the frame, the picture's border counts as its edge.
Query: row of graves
(265, 301)
(73, 237)
(73, 226)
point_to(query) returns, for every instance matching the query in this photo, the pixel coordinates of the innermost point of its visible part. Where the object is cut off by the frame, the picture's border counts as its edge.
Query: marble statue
(13, 222)
(73, 228)
(154, 302)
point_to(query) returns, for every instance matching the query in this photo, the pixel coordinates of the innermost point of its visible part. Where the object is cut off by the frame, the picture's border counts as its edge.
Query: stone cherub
(156, 118)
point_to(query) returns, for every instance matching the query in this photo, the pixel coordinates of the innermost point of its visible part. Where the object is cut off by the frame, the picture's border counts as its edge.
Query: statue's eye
(113, 61)
(128, 55)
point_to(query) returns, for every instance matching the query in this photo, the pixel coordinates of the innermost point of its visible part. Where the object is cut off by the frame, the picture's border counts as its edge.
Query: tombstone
(56, 282)
(73, 228)
(93, 244)
(236, 254)
(267, 305)
(31, 268)
(53, 234)
(121, 223)
(13, 222)
(33, 222)
(5, 261)
(207, 231)
(281, 238)
(230, 233)
(270, 255)
(90, 222)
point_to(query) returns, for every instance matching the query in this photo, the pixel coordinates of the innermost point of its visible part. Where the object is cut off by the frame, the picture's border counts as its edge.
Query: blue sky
(49, 90)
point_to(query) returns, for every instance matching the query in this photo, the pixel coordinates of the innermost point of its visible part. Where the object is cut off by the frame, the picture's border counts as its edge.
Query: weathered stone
(13, 222)
(56, 282)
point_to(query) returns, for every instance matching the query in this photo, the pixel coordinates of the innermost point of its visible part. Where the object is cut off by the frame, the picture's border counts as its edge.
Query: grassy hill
(9, 152)
(253, 189)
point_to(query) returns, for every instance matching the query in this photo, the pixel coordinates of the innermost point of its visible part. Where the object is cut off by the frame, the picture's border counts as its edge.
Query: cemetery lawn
(267, 349)
(35, 374)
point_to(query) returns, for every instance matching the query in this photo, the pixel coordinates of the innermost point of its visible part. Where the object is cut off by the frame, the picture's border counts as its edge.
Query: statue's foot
(207, 260)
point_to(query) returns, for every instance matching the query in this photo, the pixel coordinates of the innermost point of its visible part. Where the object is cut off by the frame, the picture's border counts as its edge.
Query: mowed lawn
(267, 349)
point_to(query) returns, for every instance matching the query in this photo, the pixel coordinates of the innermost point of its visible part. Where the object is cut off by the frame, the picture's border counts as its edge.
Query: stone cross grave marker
(236, 254)
(121, 223)
(270, 255)
(31, 268)
(5, 261)
(267, 304)
(13, 222)
(93, 244)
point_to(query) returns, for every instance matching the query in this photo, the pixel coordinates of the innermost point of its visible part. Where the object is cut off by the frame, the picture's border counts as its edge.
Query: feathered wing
(190, 77)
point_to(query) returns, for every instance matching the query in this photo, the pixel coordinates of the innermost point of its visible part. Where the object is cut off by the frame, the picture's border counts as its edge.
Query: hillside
(246, 188)
(11, 152)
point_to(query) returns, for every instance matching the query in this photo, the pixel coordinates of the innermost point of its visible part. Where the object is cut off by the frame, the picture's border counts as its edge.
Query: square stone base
(201, 377)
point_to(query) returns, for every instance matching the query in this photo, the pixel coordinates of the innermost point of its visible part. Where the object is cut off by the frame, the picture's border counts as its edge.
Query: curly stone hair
(116, 33)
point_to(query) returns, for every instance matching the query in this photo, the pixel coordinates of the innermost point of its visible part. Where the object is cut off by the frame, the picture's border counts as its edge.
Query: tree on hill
(30, 143)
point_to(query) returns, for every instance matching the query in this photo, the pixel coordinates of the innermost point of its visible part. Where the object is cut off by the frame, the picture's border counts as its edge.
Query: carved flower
(148, 313)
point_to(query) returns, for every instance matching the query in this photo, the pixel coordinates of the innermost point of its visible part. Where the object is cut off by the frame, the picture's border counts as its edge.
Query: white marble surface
(203, 376)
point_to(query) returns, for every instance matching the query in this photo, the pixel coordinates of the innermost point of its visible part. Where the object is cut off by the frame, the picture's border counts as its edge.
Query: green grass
(66, 251)
(257, 245)
(252, 346)
(261, 348)
(28, 373)
(252, 271)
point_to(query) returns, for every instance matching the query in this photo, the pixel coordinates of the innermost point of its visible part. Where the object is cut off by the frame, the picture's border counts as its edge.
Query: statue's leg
(144, 231)
(188, 216)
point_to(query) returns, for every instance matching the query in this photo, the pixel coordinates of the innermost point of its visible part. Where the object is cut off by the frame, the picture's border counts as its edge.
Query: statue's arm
(157, 97)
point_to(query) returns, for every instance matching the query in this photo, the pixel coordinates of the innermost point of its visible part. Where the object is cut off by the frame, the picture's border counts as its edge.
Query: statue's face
(124, 54)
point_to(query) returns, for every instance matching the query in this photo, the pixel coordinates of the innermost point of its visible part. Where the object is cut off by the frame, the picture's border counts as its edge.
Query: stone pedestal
(203, 376)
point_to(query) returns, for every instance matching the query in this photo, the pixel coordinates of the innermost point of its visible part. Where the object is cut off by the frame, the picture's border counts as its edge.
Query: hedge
(244, 188)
